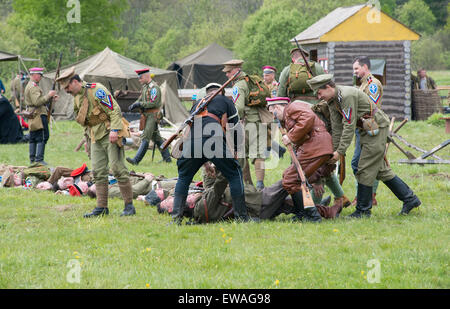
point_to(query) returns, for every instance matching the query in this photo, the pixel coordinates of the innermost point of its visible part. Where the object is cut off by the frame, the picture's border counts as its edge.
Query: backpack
(258, 91)
(298, 75)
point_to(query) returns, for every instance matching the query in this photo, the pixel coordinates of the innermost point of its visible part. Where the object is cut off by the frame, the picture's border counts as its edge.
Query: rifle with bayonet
(201, 106)
(50, 103)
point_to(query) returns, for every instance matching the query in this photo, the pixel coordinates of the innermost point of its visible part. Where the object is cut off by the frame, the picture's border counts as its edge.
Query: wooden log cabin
(362, 30)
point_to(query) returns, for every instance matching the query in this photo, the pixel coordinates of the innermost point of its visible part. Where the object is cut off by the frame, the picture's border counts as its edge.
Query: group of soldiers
(320, 118)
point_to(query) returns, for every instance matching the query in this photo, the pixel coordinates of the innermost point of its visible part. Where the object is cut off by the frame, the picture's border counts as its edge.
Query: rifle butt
(307, 198)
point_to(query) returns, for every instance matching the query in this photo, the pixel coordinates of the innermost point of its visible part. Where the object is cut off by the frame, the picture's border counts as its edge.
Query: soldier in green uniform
(100, 115)
(294, 76)
(374, 90)
(36, 101)
(255, 117)
(350, 108)
(150, 105)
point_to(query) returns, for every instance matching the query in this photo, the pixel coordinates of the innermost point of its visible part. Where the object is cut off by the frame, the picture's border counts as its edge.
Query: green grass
(38, 239)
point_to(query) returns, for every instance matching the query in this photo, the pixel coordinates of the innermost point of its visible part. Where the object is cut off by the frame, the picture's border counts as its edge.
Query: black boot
(301, 213)
(40, 151)
(32, 152)
(140, 153)
(165, 154)
(98, 211)
(404, 194)
(239, 208)
(179, 204)
(298, 209)
(363, 202)
(129, 210)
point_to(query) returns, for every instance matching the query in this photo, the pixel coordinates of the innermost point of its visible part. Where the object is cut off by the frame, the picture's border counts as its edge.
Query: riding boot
(140, 153)
(404, 194)
(298, 209)
(102, 201)
(40, 151)
(179, 204)
(363, 202)
(301, 213)
(32, 152)
(239, 208)
(127, 194)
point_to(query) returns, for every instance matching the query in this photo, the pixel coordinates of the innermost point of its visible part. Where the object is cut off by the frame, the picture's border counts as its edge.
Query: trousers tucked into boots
(363, 202)
(102, 201)
(404, 194)
(140, 153)
(300, 213)
(179, 204)
(127, 195)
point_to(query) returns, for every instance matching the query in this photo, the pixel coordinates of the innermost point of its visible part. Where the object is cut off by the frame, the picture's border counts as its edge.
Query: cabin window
(324, 63)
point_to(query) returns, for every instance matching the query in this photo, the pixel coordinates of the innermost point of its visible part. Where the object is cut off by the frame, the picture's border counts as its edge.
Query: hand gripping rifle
(307, 198)
(304, 58)
(205, 101)
(50, 103)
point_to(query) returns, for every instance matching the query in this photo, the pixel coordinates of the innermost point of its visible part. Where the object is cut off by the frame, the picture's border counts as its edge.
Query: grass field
(42, 245)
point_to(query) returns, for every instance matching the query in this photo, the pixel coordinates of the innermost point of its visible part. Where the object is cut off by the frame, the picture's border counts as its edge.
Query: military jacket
(34, 97)
(373, 88)
(240, 96)
(97, 110)
(284, 76)
(346, 107)
(150, 97)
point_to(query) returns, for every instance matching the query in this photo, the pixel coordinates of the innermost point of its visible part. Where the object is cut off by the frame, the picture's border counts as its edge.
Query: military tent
(114, 71)
(203, 67)
(4, 56)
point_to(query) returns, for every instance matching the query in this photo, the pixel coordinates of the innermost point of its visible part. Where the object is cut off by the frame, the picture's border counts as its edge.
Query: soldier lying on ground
(215, 203)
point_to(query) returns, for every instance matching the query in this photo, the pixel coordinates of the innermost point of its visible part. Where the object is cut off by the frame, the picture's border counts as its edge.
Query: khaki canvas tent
(114, 71)
(4, 56)
(203, 67)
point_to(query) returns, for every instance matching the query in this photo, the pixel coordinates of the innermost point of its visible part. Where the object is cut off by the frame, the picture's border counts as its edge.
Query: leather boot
(102, 201)
(280, 150)
(32, 152)
(404, 194)
(298, 209)
(40, 151)
(140, 153)
(240, 208)
(364, 202)
(179, 204)
(331, 212)
(165, 154)
(127, 195)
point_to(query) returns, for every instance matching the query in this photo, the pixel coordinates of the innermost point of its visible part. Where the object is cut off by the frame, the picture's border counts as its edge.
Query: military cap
(277, 100)
(213, 85)
(267, 69)
(318, 81)
(142, 71)
(64, 78)
(37, 71)
(231, 64)
(79, 171)
(296, 48)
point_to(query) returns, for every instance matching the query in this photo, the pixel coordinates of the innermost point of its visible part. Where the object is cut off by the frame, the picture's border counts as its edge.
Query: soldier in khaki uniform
(150, 105)
(253, 117)
(374, 90)
(350, 108)
(100, 115)
(294, 76)
(36, 101)
(18, 85)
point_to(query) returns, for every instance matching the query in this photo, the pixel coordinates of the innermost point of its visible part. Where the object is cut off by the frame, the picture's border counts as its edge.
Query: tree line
(158, 32)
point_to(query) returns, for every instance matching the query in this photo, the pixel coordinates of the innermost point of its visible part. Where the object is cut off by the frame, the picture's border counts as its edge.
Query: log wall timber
(397, 91)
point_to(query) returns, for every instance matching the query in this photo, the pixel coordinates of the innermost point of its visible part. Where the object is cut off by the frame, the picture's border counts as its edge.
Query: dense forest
(158, 32)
